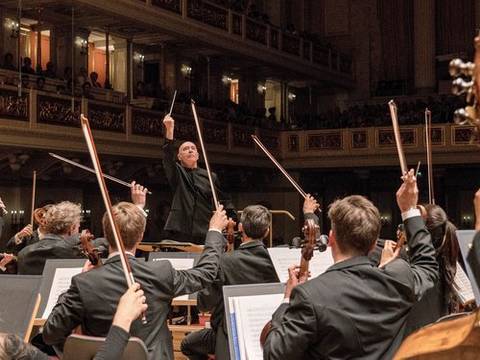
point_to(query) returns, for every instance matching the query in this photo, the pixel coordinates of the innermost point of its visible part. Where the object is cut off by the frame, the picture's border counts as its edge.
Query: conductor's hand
(407, 194)
(310, 205)
(294, 279)
(219, 220)
(132, 304)
(139, 194)
(169, 126)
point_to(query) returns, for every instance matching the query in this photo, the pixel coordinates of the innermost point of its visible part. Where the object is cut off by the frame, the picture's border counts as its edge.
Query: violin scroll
(88, 249)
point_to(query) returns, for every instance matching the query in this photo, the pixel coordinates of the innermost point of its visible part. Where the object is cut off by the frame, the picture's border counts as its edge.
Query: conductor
(192, 203)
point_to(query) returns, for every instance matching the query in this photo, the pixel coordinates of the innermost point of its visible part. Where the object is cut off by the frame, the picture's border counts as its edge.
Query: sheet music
(283, 258)
(179, 264)
(60, 284)
(251, 315)
(462, 286)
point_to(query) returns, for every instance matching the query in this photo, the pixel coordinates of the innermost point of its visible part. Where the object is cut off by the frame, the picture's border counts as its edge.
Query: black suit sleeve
(205, 272)
(294, 328)
(65, 316)
(423, 268)
(474, 257)
(114, 345)
(169, 163)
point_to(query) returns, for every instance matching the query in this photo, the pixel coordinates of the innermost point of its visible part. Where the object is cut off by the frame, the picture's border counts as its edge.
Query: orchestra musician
(60, 222)
(192, 203)
(355, 309)
(250, 263)
(93, 295)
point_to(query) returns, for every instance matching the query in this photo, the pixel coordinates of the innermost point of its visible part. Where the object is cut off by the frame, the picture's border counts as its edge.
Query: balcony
(202, 25)
(47, 120)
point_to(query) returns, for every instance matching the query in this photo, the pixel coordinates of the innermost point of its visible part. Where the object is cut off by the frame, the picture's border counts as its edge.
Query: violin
(310, 233)
(231, 235)
(88, 249)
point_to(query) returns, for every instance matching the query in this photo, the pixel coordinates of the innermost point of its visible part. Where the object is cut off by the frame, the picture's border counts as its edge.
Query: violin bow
(398, 139)
(280, 167)
(87, 133)
(428, 145)
(34, 191)
(86, 168)
(200, 138)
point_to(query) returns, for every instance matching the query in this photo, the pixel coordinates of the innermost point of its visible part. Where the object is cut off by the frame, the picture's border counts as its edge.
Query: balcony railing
(130, 127)
(257, 32)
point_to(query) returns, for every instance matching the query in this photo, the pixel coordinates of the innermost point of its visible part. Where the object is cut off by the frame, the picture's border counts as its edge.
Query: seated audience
(91, 299)
(94, 80)
(355, 309)
(27, 66)
(8, 62)
(50, 71)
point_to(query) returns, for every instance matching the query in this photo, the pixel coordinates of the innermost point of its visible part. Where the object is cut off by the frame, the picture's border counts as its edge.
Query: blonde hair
(59, 218)
(130, 221)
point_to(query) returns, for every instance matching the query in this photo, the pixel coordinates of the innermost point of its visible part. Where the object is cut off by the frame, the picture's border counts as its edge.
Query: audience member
(27, 66)
(50, 71)
(8, 62)
(94, 80)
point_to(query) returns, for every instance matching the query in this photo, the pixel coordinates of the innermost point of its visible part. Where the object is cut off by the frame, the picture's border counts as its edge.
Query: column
(3, 35)
(477, 15)
(130, 82)
(107, 61)
(39, 49)
(424, 45)
(53, 48)
(119, 66)
(208, 79)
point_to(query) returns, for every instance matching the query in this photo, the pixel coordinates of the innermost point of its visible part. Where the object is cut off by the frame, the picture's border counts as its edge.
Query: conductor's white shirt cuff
(412, 212)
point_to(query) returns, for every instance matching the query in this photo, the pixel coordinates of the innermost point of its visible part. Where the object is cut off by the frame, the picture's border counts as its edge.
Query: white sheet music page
(60, 284)
(283, 258)
(251, 314)
(179, 264)
(462, 286)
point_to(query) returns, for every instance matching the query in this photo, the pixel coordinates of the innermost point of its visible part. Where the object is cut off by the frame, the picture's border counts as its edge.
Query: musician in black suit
(355, 310)
(61, 223)
(249, 264)
(93, 295)
(192, 203)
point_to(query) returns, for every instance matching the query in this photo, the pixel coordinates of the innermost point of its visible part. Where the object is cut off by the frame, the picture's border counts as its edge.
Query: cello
(457, 337)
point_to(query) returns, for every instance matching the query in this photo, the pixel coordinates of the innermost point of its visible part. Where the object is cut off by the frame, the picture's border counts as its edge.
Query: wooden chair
(81, 347)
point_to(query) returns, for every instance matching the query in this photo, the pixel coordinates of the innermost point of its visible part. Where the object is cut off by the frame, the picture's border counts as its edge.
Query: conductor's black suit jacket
(93, 296)
(354, 310)
(249, 264)
(192, 203)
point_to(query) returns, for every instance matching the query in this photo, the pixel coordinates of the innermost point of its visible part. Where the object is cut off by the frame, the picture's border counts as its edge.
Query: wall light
(226, 80)
(82, 44)
(138, 57)
(14, 27)
(291, 96)
(186, 70)
(261, 88)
